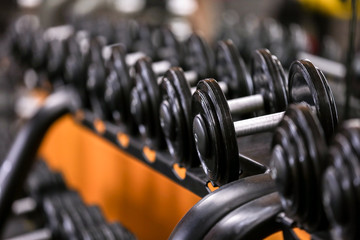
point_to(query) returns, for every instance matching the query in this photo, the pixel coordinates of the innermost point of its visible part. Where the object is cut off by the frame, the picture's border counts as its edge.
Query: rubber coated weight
(231, 69)
(302, 203)
(168, 47)
(341, 182)
(218, 137)
(308, 84)
(118, 88)
(268, 80)
(199, 56)
(145, 101)
(175, 117)
(144, 96)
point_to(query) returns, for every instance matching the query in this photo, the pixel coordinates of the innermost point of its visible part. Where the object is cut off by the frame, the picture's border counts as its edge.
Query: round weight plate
(231, 69)
(143, 41)
(280, 165)
(214, 133)
(96, 90)
(310, 129)
(199, 56)
(334, 112)
(268, 80)
(148, 103)
(349, 206)
(175, 117)
(118, 88)
(305, 168)
(347, 163)
(290, 169)
(168, 47)
(307, 85)
(351, 130)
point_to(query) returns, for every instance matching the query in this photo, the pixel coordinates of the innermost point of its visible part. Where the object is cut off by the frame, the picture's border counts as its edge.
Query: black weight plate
(331, 98)
(231, 69)
(313, 135)
(279, 164)
(118, 87)
(307, 85)
(176, 118)
(351, 129)
(148, 89)
(96, 89)
(268, 80)
(216, 145)
(349, 205)
(300, 166)
(349, 158)
(290, 170)
(143, 40)
(167, 46)
(199, 56)
(333, 193)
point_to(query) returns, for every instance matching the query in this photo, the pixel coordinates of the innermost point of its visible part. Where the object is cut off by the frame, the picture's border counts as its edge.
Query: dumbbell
(175, 115)
(215, 132)
(175, 109)
(145, 96)
(340, 185)
(267, 89)
(67, 215)
(119, 82)
(40, 182)
(233, 74)
(298, 162)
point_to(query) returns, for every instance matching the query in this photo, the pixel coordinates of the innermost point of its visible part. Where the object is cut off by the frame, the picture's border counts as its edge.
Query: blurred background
(290, 29)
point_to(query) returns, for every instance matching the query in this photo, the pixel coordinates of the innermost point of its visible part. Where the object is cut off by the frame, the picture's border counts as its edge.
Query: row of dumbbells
(165, 110)
(65, 214)
(198, 125)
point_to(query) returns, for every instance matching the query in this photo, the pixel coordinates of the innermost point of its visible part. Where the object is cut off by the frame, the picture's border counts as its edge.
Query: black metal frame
(21, 156)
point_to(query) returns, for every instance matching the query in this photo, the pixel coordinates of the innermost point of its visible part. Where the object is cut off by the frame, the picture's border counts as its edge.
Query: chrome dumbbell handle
(258, 124)
(246, 104)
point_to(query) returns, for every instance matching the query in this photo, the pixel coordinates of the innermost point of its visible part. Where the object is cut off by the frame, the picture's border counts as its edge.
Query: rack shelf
(193, 179)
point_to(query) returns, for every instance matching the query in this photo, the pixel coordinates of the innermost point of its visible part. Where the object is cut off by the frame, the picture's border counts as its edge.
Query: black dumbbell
(340, 186)
(175, 109)
(175, 115)
(41, 182)
(167, 48)
(268, 89)
(298, 162)
(67, 215)
(215, 132)
(146, 98)
(119, 82)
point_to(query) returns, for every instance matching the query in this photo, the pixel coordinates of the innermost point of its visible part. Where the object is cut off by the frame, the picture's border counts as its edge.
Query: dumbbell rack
(195, 179)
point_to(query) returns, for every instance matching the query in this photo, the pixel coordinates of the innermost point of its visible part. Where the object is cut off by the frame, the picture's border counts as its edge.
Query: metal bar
(258, 124)
(246, 104)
